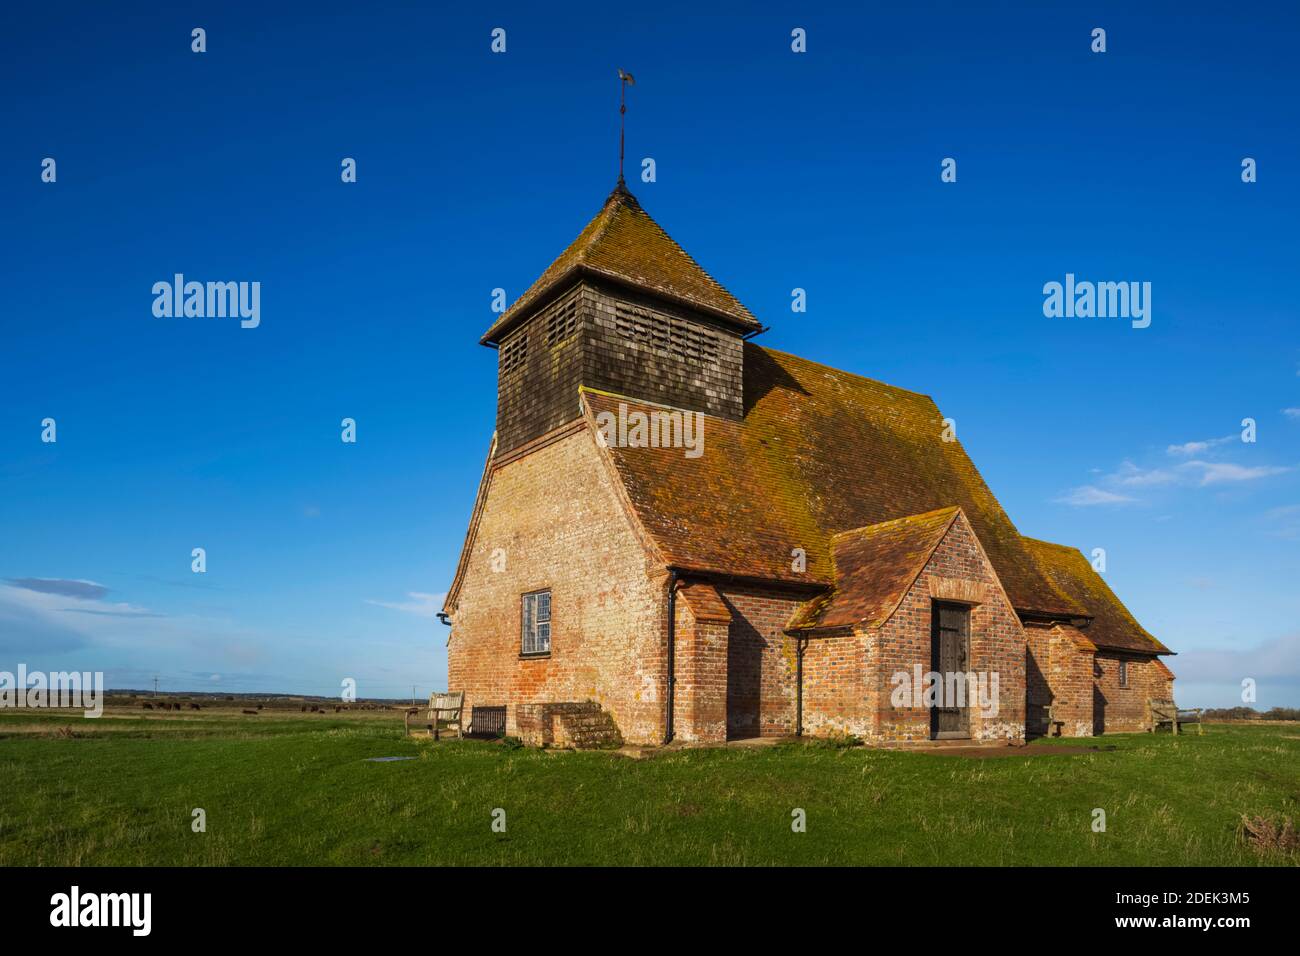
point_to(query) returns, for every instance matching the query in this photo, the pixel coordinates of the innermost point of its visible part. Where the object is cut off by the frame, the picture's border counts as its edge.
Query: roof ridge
(1051, 544)
(612, 201)
(678, 246)
(933, 512)
(844, 372)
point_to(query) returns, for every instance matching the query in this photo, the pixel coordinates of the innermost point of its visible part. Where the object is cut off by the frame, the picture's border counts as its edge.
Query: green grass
(295, 789)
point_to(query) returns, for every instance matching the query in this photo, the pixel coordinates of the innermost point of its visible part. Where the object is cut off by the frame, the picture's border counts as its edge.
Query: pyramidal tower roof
(623, 244)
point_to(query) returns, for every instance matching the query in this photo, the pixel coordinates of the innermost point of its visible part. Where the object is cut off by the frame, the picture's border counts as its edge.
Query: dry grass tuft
(1269, 835)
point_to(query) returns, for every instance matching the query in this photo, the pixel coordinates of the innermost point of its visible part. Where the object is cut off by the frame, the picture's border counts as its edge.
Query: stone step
(591, 729)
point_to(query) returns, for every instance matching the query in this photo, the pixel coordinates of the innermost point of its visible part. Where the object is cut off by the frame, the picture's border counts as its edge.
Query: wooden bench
(1193, 716)
(443, 709)
(1054, 722)
(1161, 711)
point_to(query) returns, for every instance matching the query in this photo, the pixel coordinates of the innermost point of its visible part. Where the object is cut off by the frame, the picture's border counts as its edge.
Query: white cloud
(1132, 476)
(1291, 412)
(1222, 472)
(66, 587)
(1198, 447)
(1088, 495)
(421, 604)
(1273, 665)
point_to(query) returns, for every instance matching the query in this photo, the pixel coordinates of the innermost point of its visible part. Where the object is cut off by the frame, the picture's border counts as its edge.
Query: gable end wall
(607, 632)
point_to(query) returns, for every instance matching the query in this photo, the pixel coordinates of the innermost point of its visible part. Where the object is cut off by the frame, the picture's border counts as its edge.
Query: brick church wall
(838, 697)
(1038, 667)
(607, 607)
(760, 662)
(1119, 709)
(700, 669)
(1060, 676)
(997, 644)
(1071, 676)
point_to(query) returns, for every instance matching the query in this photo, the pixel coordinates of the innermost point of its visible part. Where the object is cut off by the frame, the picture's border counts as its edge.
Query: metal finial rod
(623, 80)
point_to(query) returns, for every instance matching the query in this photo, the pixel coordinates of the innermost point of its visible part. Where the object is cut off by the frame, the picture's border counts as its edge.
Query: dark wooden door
(949, 642)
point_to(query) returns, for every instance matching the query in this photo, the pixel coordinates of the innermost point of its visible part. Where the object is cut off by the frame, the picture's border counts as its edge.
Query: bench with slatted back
(444, 709)
(1162, 711)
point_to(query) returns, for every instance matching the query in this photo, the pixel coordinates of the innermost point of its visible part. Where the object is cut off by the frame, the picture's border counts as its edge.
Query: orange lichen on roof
(624, 244)
(1112, 625)
(874, 567)
(705, 602)
(819, 452)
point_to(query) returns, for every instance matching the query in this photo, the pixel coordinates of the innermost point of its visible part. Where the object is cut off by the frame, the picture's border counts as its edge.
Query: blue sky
(774, 169)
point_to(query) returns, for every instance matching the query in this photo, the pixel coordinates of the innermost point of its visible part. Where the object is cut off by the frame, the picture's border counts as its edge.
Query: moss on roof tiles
(624, 244)
(1112, 625)
(819, 452)
(874, 567)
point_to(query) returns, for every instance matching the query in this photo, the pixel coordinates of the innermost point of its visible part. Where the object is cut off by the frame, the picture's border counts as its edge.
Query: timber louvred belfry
(820, 552)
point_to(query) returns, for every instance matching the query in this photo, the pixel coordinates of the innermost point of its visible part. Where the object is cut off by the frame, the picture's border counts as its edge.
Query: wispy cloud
(1131, 476)
(1122, 485)
(1291, 412)
(65, 587)
(115, 610)
(421, 604)
(1222, 472)
(88, 594)
(1088, 495)
(1198, 447)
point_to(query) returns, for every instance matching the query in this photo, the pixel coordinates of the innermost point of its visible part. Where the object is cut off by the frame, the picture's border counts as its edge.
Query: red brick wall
(1071, 676)
(700, 668)
(838, 698)
(760, 662)
(1124, 709)
(607, 625)
(1060, 675)
(997, 644)
(1038, 665)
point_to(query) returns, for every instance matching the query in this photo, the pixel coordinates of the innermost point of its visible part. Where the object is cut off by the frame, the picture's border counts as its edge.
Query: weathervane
(624, 79)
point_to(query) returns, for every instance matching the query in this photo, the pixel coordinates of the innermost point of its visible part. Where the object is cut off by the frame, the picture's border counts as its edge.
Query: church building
(682, 535)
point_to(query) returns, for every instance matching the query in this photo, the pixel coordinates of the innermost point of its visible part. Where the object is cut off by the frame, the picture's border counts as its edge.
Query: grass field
(289, 788)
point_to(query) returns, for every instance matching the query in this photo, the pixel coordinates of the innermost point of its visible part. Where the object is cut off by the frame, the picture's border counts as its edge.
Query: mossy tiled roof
(1112, 625)
(874, 567)
(818, 453)
(705, 602)
(622, 243)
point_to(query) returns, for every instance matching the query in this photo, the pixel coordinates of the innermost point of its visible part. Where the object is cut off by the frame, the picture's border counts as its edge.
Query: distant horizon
(236, 693)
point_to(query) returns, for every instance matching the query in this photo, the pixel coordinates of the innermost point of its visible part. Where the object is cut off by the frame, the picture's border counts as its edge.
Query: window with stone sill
(536, 623)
